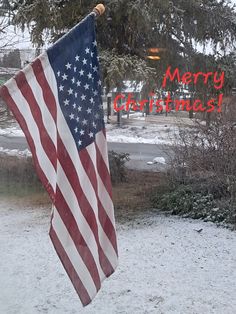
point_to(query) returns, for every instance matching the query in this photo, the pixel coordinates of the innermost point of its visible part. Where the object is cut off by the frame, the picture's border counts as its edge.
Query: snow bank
(13, 131)
(166, 266)
(148, 134)
(15, 152)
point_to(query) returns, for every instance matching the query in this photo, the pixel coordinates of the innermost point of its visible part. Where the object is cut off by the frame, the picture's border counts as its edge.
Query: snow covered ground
(166, 267)
(147, 134)
(12, 131)
(15, 152)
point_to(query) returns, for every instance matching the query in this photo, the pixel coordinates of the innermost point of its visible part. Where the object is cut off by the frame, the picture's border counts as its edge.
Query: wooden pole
(99, 9)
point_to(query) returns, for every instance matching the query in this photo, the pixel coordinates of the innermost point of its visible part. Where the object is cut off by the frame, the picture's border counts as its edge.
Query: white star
(72, 116)
(92, 53)
(68, 66)
(64, 77)
(89, 76)
(95, 68)
(81, 132)
(61, 88)
(101, 106)
(84, 122)
(76, 130)
(97, 116)
(76, 95)
(70, 91)
(66, 102)
(84, 61)
(74, 105)
(75, 69)
(79, 143)
(77, 58)
(89, 110)
(94, 125)
(79, 108)
(77, 119)
(86, 86)
(73, 80)
(91, 134)
(95, 43)
(99, 82)
(78, 83)
(95, 93)
(91, 100)
(58, 73)
(83, 97)
(87, 50)
(81, 72)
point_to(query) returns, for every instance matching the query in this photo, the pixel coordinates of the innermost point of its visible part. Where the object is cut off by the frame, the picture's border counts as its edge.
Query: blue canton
(75, 63)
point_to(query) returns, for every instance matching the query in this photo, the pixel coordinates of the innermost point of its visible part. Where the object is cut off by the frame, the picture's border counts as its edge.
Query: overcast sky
(22, 41)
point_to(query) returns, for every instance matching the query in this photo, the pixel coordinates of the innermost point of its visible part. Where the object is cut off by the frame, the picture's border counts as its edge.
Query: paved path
(140, 154)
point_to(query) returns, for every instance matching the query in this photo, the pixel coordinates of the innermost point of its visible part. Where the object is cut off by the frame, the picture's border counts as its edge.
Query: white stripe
(82, 223)
(104, 196)
(75, 259)
(25, 111)
(107, 246)
(102, 191)
(102, 145)
(72, 150)
(38, 94)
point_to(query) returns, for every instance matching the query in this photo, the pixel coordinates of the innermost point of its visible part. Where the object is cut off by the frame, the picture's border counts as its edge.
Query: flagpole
(99, 10)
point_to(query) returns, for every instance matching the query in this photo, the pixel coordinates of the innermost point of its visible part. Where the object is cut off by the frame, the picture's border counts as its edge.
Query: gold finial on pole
(99, 9)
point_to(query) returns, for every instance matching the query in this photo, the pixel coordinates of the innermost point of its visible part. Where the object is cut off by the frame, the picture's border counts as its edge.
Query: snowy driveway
(166, 266)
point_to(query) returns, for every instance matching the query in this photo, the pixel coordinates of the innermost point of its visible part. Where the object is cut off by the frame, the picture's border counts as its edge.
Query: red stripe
(81, 246)
(88, 164)
(84, 204)
(59, 201)
(46, 141)
(103, 171)
(102, 214)
(48, 95)
(78, 285)
(20, 119)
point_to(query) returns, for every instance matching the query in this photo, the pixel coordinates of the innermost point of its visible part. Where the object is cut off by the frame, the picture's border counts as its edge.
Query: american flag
(57, 102)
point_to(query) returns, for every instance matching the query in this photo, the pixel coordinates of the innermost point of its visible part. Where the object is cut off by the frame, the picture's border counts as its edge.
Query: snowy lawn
(166, 266)
(146, 133)
(12, 131)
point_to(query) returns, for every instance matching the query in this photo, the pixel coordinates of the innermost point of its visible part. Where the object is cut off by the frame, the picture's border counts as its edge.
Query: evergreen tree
(130, 28)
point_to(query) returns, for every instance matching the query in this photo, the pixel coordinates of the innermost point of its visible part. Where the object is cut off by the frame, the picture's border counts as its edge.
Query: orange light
(153, 50)
(153, 57)
(156, 50)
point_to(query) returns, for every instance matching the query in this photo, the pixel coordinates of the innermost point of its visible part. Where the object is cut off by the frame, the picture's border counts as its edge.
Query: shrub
(202, 172)
(117, 166)
(176, 201)
(196, 201)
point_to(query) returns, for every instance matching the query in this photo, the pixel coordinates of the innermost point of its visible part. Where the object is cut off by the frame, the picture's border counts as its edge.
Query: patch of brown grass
(19, 183)
(18, 169)
(133, 197)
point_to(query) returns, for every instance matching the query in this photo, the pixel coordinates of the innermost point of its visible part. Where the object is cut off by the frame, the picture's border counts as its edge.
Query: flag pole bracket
(99, 10)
